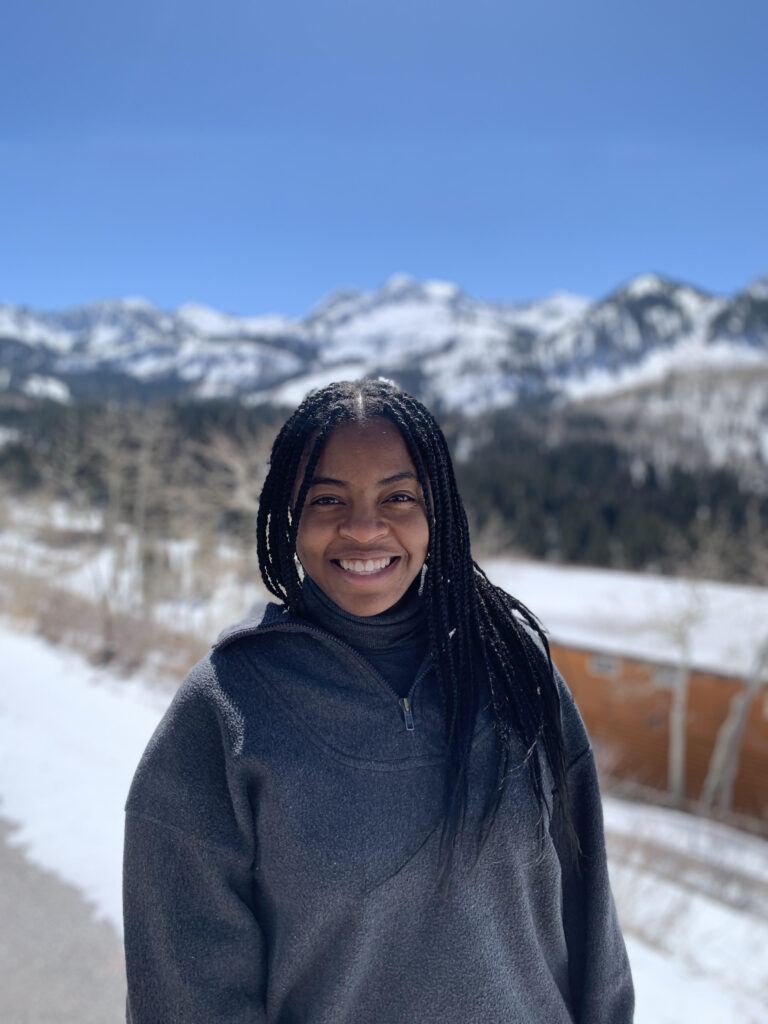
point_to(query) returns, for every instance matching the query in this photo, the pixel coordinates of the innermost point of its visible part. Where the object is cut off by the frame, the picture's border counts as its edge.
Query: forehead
(374, 443)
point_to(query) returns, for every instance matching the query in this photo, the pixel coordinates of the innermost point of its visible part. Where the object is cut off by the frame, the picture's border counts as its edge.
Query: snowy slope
(646, 315)
(715, 415)
(197, 351)
(458, 350)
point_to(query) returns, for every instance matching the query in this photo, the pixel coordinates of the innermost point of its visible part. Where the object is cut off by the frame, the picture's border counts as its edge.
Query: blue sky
(256, 156)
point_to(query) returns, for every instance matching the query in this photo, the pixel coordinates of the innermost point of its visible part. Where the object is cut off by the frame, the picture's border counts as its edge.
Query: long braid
(476, 629)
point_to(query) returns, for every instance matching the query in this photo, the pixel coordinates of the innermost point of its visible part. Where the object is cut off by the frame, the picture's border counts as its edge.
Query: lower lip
(367, 579)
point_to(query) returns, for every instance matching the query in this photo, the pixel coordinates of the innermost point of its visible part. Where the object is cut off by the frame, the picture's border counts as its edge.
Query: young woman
(378, 805)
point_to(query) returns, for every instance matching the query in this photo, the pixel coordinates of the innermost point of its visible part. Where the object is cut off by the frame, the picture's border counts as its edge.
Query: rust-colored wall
(625, 704)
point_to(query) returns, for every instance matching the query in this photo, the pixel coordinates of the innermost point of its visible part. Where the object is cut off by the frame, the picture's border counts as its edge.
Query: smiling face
(363, 533)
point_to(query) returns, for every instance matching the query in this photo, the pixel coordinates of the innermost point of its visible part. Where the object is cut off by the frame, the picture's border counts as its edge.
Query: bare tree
(148, 430)
(240, 457)
(723, 768)
(710, 559)
(680, 629)
(756, 545)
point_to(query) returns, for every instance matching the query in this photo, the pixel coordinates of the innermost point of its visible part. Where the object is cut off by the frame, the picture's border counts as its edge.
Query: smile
(364, 568)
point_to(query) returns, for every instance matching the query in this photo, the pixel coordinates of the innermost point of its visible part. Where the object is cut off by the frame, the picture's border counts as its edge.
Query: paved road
(58, 965)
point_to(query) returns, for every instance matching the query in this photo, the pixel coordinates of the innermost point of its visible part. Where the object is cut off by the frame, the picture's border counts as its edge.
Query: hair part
(476, 629)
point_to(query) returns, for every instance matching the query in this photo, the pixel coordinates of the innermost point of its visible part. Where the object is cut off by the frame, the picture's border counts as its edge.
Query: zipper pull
(407, 713)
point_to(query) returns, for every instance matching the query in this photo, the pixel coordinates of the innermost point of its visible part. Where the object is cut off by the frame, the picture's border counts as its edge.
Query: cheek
(419, 539)
(310, 539)
(302, 548)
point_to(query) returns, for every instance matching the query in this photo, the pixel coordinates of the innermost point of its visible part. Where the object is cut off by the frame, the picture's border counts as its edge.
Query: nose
(363, 524)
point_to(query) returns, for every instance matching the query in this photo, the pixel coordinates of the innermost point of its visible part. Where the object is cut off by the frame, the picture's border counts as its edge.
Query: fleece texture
(282, 852)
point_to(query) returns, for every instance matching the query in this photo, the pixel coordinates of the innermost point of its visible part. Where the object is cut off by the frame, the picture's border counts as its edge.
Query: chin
(368, 604)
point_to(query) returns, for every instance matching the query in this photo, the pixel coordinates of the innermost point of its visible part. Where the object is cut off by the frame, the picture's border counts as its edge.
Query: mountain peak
(758, 289)
(643, 285)
(399, 282)
(401, 287)
(441, 290)
(136, 302)
(205, 320)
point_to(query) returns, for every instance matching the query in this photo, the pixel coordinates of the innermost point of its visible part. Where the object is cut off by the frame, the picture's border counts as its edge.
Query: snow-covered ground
(693, 896)
(715, 627)
(710, 626)
(206, 597)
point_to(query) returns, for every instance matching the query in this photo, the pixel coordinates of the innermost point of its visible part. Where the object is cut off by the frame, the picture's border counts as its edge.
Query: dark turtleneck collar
(404, 626)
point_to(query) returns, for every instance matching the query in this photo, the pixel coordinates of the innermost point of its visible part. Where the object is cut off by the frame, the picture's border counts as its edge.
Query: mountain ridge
(622, 355)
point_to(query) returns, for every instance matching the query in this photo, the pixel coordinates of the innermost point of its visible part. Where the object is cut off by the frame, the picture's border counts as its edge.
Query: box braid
(474, 626)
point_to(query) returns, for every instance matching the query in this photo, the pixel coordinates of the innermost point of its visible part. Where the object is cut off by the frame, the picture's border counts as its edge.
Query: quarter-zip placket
(405, 704)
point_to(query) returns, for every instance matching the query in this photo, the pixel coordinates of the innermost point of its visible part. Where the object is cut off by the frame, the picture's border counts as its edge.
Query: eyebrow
(333, 482)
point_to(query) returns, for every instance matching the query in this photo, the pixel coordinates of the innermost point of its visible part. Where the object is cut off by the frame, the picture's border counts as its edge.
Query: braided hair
(476, 629)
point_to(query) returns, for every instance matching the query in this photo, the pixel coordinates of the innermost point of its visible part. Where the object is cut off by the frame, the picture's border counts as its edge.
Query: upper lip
(362, 556)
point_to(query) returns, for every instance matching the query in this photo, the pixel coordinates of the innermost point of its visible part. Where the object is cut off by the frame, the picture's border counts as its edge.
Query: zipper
(405, 703)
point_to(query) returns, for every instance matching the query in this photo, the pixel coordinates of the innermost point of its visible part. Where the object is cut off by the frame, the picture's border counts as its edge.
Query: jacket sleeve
(598, 966)
(194, 947)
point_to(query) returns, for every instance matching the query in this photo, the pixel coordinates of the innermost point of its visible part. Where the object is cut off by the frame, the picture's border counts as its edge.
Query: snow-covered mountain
(431, 333)
(132, 349)
(654, 349)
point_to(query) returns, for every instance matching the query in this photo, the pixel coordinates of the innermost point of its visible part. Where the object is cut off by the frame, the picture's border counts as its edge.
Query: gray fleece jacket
(281, 857)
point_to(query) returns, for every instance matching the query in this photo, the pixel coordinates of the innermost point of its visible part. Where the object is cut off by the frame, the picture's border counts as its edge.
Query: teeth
(369, 565)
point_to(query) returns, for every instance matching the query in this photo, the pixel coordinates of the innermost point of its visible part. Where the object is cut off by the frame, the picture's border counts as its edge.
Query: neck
(404, 624)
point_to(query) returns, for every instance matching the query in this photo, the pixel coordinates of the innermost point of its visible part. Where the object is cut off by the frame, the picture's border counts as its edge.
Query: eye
(326, 499)
(400, 498)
